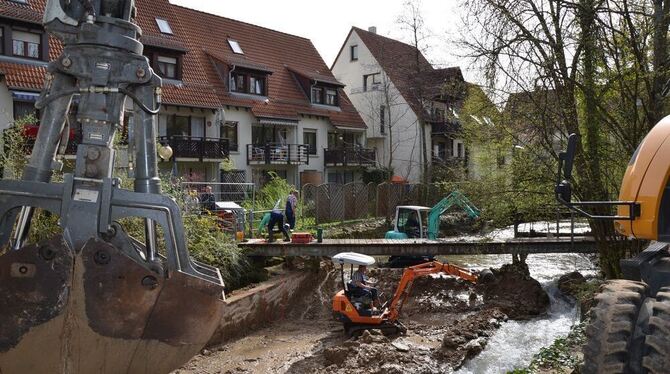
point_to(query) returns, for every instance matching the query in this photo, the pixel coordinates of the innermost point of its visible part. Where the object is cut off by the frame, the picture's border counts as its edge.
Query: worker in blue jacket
(277, 218)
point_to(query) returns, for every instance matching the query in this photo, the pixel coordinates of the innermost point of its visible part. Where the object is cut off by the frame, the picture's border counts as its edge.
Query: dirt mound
(372, 353)
(515, 293)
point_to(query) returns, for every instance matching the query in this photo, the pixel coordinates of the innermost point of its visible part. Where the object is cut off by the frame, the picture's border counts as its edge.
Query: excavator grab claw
(95, 299)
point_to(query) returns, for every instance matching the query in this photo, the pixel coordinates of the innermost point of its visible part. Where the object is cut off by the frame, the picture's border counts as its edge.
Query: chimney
(372, 29)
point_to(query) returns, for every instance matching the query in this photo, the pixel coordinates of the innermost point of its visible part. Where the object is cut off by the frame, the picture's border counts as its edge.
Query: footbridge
(411, 247)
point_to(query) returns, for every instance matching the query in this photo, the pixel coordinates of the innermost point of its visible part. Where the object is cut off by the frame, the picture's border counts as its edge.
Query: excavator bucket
(97, 312)
(93, 299)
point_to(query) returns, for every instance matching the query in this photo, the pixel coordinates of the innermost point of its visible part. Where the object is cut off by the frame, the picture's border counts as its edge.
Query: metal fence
(343, 202)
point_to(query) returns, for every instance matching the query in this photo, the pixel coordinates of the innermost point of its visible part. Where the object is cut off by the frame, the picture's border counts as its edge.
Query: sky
(327, 23)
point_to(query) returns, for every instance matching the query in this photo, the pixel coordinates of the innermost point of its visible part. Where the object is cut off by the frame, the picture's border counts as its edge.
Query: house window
(235, 46)
(372, 81)
(382, 119)
(317, 95)
(458, 149)
(354, 52)
(167, 67)
(331, 97)
(2, 40)
(237, 82)
(229, 131)
(256, 85)
(24, 108)
(178, 126)
(309, 138)
(26, 44)
(164, 26)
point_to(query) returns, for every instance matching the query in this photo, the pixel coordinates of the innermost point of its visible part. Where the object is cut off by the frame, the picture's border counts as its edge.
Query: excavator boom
(94, 299)
(454, 198)
(421, 270)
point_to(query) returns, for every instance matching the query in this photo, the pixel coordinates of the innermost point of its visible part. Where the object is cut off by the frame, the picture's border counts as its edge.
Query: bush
(377, 175)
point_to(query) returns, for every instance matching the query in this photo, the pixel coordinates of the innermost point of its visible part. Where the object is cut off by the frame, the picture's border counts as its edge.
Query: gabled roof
(408, 68)
(274, 51)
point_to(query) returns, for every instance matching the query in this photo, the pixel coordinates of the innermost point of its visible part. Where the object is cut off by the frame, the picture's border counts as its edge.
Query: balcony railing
(445, 126)
(277, 154)
(197, 147)
(350, 157)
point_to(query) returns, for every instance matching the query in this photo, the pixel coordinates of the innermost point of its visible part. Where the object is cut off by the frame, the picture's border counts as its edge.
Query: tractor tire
(657, 342)
(610, 334)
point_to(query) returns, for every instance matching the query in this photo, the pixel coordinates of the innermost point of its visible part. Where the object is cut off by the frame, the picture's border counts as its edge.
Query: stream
(516, 342)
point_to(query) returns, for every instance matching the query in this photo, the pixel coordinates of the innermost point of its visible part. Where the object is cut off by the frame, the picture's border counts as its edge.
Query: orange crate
(301, 237)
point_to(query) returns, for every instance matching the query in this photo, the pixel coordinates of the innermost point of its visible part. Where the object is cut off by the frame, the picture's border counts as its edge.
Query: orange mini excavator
(356, 313)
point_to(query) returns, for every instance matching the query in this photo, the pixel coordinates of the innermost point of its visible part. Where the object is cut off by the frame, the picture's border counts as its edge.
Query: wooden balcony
(197, 147)
(277, 154)
(350, 157)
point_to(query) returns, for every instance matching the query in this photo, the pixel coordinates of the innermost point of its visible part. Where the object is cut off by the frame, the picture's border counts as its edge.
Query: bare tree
(585, 65)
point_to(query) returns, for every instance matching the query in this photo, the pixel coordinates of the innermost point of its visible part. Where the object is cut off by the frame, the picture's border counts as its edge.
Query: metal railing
(197, 147)
(350, 157)
(277, 154)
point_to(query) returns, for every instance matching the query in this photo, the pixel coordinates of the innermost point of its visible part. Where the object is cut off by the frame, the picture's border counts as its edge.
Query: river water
(516, 342)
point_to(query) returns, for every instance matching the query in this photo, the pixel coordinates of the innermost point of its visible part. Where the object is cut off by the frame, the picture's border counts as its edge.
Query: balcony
(277, 154)
(197, 147)
(442, 126)
(350, 157)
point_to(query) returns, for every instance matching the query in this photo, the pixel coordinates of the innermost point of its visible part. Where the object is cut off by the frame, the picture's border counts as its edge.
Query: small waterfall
(516, 342)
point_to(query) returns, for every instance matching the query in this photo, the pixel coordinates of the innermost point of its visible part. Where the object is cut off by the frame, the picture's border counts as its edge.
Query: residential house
(402, 99)
(265, 100)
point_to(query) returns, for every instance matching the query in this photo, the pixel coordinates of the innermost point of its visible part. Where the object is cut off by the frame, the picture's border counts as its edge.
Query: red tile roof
(202, 85)
(274, 49)
(31, 11)
(23, 77)
(407, 67)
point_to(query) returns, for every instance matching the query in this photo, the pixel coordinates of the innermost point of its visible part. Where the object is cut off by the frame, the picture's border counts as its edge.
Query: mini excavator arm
(454, 198)
(411, 273)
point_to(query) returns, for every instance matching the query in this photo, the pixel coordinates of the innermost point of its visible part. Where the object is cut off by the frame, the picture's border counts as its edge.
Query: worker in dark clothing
(277, 218)
(208, 200)
(291, 205)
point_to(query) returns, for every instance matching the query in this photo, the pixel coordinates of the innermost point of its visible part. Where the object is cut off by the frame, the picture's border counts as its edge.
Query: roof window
(164, 26)
(235, 46)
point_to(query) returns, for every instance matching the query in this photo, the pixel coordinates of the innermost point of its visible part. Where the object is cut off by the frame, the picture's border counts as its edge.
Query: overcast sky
(327, 23)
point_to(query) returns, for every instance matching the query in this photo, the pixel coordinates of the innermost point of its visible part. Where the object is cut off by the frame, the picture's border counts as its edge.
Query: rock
(570, 283)
(474, 347)
(515, 293)
(400, 346)
(206, 352)
(351, 344)
(335, 355)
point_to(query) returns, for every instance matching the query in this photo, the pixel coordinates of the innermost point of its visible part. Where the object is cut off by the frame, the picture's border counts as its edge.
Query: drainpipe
(230, 76)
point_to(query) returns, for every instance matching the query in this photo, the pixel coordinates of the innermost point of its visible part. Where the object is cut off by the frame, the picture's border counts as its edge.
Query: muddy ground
(448, 321)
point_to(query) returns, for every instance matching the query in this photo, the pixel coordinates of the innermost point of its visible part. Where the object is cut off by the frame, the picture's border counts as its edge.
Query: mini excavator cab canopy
(351, 258)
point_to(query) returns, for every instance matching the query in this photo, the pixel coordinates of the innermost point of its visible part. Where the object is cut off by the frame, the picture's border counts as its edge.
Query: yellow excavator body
(645, 183)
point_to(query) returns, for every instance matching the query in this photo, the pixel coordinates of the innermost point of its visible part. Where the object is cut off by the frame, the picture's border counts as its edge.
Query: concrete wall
(255, 308)
(406, 143)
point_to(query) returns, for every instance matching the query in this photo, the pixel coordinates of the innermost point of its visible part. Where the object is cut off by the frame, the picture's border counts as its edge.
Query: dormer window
(317, 95)
(248, 82)
(331, 97)
(164, 26)
(167, 64)
(324, 95)
(235, 46)
(26, 44)
(167, 67)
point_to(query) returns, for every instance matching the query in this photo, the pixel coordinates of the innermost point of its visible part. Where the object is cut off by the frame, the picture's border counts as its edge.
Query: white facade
(401, 138)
